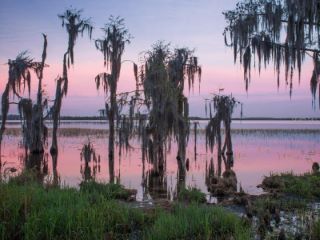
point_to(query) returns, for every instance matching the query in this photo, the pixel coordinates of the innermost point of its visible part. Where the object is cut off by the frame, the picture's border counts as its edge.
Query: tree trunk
(5, 109)
(219, 152)
(54, 169)
(55, 117)
(182, 136)
(228, 142)
(111, 116)
(37, 128)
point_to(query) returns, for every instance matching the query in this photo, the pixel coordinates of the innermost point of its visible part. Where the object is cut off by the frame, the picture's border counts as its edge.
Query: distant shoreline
(88, 118)
(264, 119)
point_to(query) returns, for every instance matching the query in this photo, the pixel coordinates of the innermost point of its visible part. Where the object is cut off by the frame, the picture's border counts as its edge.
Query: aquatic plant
(280, 31)
(198, 222)
(34, 212)
(304, 186)
(191, 195)
(74, 25)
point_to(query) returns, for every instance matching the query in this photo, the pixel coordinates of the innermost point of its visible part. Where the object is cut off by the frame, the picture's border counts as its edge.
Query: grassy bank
(305, 186)
(294, 200)
(31, 211)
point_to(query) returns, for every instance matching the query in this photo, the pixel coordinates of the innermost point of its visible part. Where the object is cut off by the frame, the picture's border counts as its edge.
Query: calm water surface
(260, 148)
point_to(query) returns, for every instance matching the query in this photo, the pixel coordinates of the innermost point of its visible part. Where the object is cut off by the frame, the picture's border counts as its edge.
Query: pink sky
(171, 22)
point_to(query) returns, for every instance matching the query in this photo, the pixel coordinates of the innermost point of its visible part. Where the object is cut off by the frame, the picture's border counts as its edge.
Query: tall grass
(198, 222)
(31, 211)
(305, 186)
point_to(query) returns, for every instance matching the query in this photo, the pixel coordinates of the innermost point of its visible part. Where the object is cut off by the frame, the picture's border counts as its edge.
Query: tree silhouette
(163, 76)
(112, 47)
(19, 77)
(74, 25)
(222, 106)
(280, 31)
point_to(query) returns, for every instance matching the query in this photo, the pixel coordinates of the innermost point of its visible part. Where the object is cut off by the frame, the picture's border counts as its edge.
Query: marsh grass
(316, 230)
(31, 211)
(198, 222)
(305, 186)
(285, 204)
(64, 132)
(106, 191)
(191, 195)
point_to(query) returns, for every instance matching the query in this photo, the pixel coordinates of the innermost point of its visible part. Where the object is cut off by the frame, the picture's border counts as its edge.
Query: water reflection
(256, 153)
(90, 162)
(38, 163)
(155, 185)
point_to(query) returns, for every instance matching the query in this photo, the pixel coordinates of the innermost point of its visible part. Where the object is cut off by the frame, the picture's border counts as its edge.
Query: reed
(31, 211)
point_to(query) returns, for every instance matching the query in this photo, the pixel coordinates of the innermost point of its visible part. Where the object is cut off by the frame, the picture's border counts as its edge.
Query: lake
(260, 148)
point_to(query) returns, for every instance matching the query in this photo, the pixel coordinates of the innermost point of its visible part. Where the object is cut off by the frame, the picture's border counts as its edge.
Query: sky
(182, 23)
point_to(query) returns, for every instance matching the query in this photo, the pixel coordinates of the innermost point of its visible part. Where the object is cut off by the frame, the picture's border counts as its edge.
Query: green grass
(191, 195)
(106, 191)
(31, 211)
(285, 204)
(305, 186)
(316, 230)
(198, 222)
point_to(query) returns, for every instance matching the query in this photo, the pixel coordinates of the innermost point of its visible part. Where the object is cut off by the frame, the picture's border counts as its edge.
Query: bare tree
(74, 25)
(281, 31)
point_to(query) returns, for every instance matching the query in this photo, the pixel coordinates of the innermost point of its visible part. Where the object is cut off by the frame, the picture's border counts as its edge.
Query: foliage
(33, 212)
(272, 204)
(222, 106)
(112, 47)
(73, 22)
(195, 222)
(107, 191)
(19, 76)
(316, 231)
(163, 76)
(75, 25)
(281, 31)
(305, 186)
(191, 195)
